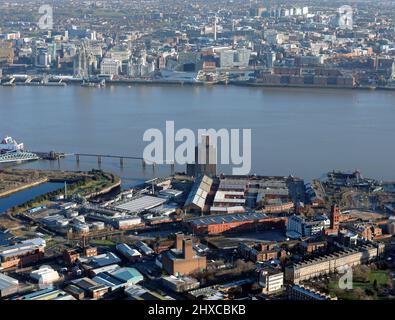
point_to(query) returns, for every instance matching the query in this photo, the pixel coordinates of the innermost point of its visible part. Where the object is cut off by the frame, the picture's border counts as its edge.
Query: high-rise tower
(205, 159)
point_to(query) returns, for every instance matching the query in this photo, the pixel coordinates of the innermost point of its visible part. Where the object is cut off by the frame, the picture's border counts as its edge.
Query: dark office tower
(205, 159)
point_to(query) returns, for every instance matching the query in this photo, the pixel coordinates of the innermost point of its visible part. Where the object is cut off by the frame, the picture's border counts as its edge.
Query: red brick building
(22, 254)
(217, 224)
(183, 260)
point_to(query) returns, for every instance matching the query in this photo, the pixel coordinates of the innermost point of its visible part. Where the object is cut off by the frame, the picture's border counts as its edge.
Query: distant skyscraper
(205, 159)
(215, 28)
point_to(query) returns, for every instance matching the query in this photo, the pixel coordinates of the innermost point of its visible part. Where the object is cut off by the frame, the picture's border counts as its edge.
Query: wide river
(304, 132)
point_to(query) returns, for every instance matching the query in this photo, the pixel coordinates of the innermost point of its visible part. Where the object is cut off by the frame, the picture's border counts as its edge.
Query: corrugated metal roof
(199, 192)
(228, 218)
(7, 282)
(141, 204)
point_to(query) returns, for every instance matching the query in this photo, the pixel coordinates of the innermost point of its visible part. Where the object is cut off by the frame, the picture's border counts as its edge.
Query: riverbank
(15, 180)
(110, 188)
(159, 82)
(24, 187)
(85, 184)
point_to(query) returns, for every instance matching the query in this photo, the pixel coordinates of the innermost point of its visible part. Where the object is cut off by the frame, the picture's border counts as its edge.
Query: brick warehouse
(22, 254)
(234, 222)
(183, 260)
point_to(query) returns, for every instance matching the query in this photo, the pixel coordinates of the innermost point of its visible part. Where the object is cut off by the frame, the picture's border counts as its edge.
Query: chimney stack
(187, 249)
(179, 238)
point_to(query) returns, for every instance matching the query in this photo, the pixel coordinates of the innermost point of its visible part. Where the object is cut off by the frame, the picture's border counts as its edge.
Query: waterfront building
(190, 61)
(43, 58)
(238, 58)
(110, 67)
(119, 53)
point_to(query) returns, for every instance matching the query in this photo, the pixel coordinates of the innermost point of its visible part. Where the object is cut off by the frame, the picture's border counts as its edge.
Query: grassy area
(377, 281)
(101, 243)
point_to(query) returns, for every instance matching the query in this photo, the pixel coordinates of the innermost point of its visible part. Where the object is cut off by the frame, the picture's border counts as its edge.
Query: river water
(26, 195)
(304, 132)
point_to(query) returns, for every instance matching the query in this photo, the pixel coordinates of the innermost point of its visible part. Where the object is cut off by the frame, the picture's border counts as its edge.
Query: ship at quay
(12, 151)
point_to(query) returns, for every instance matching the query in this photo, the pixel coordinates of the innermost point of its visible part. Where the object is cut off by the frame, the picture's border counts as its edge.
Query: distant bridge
(120, 157)
(57, 155)
(100, 156)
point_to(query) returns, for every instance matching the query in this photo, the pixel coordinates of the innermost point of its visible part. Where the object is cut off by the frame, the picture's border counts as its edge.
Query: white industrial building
(126, 222)
(45, 275)
(140, 204)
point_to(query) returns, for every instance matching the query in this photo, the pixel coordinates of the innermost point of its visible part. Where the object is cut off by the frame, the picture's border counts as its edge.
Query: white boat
(9, 144)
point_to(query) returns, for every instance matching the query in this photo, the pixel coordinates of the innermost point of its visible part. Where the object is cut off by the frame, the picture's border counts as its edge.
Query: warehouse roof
(7, 282)
(22, 248)
(199, 192)
(228, 218)
(141, 203)
(128, 275)
(101, 260)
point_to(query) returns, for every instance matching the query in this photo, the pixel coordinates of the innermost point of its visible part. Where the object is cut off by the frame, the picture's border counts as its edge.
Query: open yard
(374, 286)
